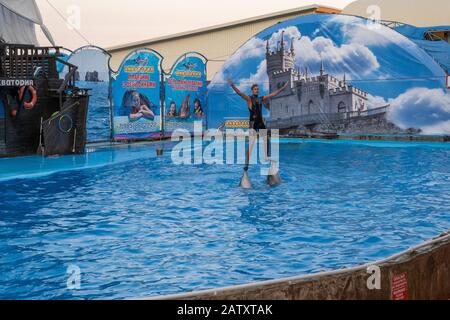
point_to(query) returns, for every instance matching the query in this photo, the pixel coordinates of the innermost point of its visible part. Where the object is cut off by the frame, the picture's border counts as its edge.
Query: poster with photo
(136, 96)
(185, 93)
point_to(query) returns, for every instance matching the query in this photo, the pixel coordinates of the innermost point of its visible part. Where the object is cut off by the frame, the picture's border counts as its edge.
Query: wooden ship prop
(39, 112)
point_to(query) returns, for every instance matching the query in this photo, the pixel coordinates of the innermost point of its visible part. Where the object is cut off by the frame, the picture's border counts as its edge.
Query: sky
(107, 23)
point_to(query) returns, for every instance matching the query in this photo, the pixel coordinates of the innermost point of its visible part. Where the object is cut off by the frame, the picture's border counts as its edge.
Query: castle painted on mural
(308, 99)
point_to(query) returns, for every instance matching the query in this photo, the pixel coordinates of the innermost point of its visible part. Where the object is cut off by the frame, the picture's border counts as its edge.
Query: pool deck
(377, 137)
(94, 146)
(420, 273)
(400, 138)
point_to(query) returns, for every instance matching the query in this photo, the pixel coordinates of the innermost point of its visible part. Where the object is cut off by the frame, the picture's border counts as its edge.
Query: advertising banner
(136, 96)
(185, 93)
(64, 55)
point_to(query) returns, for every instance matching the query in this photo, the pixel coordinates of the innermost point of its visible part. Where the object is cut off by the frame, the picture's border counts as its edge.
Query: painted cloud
(352, 60)
(427, 109)
(367, 32)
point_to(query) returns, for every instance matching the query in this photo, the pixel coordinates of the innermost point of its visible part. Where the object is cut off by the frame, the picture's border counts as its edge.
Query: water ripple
(146, 227)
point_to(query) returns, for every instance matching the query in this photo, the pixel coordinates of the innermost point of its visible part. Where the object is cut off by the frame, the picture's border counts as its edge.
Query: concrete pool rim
(426, 266)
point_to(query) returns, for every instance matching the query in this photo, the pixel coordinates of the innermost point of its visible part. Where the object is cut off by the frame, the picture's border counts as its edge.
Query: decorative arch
(342, 107)
(139, 75)
(310, 107)
(94, 73)
(185, 93)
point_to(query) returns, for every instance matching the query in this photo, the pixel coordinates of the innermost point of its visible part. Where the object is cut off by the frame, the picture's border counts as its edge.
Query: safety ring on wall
(28, 104)
(65, 123)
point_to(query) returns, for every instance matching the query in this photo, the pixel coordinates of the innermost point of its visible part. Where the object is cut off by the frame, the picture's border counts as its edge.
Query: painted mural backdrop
(363, 77)
(136, 96)
(94, 73)
(185, 93)
(65, 54)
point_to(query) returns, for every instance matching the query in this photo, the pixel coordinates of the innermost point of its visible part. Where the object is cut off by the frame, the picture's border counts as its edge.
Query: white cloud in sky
(418, 108)
(423, 108)
(367, 33)
(439, 128)
(254, 48)
(260, 77)
(374, 102)
(353, 60)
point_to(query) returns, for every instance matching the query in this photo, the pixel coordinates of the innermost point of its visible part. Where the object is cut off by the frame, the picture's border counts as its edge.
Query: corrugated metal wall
(216, 45)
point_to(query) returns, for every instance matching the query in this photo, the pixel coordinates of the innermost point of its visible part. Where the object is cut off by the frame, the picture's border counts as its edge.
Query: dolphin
(190, 65)
(274, 178)
(245, 181)
(185, 109)
(139, 60)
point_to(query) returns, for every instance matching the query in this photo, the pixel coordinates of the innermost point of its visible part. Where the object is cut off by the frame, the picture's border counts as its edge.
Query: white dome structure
(416, 12)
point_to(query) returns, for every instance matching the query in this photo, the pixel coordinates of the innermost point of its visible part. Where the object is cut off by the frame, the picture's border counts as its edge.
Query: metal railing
(69, 80)
(324, 119)
(392, 24)
(27, 62)
(22, 61)
(331, 118)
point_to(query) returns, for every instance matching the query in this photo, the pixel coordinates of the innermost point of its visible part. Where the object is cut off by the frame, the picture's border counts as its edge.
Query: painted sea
(99, 117)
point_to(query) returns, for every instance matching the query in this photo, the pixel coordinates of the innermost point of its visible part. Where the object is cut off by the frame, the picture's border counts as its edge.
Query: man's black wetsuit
(256, 117)
(256, 114)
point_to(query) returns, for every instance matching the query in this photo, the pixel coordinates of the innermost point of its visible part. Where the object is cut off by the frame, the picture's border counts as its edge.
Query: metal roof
(311, 8)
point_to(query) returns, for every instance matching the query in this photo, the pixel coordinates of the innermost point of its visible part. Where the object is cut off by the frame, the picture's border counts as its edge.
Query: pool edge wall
(421, 273)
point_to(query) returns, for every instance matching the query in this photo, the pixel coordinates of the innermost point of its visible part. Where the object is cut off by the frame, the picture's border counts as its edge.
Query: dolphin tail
(274, 180)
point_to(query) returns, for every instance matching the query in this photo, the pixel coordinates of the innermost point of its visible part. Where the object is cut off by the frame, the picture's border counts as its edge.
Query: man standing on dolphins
(255, 105)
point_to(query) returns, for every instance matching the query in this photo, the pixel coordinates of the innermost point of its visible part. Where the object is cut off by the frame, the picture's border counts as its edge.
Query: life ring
(28, 104)
(65, 123)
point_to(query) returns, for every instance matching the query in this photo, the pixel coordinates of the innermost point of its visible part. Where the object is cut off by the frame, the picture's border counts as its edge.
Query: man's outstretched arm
(242, 95)
(274, 94)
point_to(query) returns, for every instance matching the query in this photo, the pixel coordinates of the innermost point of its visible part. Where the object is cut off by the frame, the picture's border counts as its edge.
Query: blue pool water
(136, 225)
